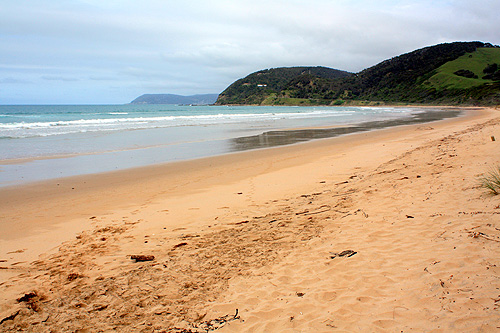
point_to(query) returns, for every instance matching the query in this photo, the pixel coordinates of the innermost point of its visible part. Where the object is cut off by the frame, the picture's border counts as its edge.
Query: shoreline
(19, 171)
(91, 185)
(207, 196)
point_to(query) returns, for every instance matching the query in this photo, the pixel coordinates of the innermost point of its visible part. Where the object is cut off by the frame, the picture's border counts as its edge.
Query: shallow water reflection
(286, 137)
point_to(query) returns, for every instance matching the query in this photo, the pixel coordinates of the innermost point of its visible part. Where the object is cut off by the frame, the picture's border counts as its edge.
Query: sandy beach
(378, 231)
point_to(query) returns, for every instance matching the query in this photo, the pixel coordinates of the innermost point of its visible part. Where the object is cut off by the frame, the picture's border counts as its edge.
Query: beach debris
(386, 171)
(321, 209)
(74, 276)
(30, 299)
(27, 297)
(209, 325)
(493, 138)
(410, 217)
(300, 294)
(345, 253)
(189, 236)
(99, 307)
(215, 324)
(434, 263)
(310, 195)
(355, 213)
(477, 234)
(180, 244)
(141, 257)
(11, 317)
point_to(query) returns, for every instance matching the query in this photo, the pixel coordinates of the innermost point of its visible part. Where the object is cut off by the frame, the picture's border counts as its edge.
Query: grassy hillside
(399, 78)
(475, 62)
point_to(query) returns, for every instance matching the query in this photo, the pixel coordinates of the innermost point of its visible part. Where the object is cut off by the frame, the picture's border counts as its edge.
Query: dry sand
(255, 241)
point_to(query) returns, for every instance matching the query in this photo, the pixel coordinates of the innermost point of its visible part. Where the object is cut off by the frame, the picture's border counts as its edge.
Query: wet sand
(264, 232)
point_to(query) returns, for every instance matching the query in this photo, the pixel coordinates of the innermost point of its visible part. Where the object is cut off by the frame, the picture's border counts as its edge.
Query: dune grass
(491, 181)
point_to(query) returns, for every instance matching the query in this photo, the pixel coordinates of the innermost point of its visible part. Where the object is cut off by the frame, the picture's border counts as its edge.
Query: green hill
(256, 87)
(450, 73)
(474, 62)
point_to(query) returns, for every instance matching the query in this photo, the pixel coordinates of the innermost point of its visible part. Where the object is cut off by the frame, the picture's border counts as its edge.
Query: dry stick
(491, 239)
(321, 211)
(317, 212)
(474, 234)
(346, 193)
(355, 213)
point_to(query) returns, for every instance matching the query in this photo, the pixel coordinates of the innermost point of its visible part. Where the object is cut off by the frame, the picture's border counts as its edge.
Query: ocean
(51, 141)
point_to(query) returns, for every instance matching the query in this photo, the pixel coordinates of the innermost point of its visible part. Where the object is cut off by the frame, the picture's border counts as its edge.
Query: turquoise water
(98, 138)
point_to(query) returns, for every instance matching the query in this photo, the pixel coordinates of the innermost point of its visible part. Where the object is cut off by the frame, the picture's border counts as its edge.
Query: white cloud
(59, 78)
(11, 80)
(187, 47)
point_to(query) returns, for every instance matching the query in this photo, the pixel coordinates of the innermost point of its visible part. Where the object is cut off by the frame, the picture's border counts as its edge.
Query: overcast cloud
(110, 51)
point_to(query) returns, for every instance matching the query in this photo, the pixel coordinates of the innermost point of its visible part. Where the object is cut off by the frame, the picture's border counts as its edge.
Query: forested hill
(257, 86)
(451, 73)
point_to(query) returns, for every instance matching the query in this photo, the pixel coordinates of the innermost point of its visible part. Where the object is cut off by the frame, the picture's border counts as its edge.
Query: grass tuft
(491, 181)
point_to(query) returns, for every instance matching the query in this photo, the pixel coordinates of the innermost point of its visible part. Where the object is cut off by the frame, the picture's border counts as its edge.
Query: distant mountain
(203, 99)
(450, 73)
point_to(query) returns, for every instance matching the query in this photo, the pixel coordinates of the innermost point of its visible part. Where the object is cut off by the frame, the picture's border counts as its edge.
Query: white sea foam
(58, 121)
(47, 128)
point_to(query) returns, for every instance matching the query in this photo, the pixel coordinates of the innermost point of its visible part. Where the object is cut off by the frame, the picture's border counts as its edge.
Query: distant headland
(202, 99)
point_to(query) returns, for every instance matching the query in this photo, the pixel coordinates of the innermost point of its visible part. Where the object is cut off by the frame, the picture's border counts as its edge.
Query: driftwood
(141, 257)
(346, 253)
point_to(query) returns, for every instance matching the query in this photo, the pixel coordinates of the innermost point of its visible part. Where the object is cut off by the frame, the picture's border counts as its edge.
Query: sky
(112, 51)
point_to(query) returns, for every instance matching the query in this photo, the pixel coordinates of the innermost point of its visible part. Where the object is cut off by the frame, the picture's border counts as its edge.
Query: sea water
(51, 141)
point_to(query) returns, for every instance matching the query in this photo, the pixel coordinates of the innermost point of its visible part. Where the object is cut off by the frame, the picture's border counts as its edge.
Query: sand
(380, 231)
